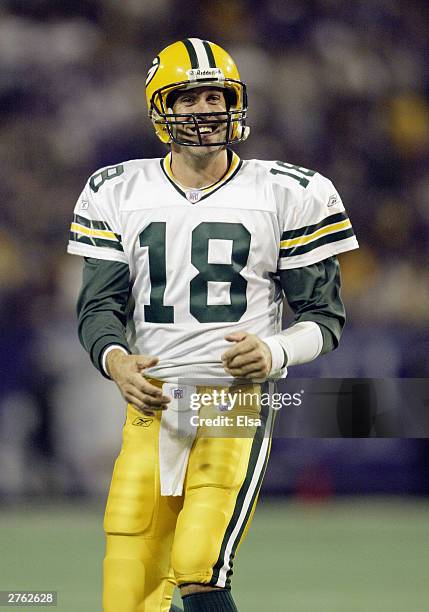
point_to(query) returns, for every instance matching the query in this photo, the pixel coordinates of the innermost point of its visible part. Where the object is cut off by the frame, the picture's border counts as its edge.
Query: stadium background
(341, 87)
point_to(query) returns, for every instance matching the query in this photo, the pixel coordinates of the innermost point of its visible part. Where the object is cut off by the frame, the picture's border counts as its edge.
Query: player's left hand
(250, 357)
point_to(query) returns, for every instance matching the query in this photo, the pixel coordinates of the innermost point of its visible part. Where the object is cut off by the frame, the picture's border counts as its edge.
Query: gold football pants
(154, 543)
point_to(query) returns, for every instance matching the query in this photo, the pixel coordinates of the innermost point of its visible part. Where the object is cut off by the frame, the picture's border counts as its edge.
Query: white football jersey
(204, 263)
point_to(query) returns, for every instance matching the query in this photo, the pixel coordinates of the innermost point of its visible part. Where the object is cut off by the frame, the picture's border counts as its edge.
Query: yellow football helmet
(188, 64)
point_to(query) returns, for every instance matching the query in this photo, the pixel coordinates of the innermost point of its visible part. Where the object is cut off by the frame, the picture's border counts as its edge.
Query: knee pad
(199, 533)
(137, 571)
(132, 502)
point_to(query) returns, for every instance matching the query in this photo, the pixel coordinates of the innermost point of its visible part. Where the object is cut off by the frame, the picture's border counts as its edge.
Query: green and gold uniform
(170, 272)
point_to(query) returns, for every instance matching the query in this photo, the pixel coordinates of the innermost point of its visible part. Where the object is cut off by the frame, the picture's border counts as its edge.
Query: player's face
(202, 100)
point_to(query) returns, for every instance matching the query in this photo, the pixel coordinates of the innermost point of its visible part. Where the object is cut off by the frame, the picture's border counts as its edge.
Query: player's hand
(128, 373)
(249, 357)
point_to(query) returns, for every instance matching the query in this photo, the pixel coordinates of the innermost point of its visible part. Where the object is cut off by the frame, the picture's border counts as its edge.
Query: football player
(187, 260)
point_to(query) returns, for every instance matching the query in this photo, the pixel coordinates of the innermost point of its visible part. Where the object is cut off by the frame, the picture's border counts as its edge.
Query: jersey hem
(201, 372)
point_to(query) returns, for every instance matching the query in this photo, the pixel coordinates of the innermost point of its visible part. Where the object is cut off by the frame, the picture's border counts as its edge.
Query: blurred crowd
(340, 87)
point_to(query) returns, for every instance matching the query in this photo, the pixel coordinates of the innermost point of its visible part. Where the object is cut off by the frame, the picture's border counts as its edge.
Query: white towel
(176, 436)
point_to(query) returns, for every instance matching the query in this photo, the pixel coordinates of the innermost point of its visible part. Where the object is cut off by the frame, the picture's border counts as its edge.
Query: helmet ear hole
(230, 97)
(171, 98)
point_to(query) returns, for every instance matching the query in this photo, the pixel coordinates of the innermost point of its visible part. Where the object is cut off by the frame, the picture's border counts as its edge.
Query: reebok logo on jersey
(84, 205)
(142, 422)
(333, 200)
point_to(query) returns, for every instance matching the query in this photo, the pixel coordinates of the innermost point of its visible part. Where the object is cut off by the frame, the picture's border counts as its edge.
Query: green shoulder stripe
(309, 229)
(98, 179)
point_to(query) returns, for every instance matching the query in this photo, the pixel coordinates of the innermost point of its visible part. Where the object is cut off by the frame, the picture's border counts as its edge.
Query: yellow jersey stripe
(329, 229)
(80, 229)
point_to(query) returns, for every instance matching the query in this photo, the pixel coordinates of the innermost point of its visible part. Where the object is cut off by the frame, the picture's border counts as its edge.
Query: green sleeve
(313, 293)
(102, 307)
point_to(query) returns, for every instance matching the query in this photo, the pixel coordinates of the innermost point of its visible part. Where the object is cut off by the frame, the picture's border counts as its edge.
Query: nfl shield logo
(224, 407)
(193, 196)
(178, 393)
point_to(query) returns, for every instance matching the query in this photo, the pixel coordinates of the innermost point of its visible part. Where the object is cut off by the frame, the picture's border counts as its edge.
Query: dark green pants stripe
(254, 455)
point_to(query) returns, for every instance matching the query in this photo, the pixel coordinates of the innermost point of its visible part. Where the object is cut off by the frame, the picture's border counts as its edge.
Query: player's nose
(202, 106)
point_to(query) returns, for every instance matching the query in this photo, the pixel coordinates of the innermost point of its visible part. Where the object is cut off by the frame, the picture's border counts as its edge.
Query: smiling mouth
(205, 130)
(190, 134)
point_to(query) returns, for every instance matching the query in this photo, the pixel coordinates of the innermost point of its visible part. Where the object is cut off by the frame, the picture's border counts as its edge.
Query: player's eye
(187, 100)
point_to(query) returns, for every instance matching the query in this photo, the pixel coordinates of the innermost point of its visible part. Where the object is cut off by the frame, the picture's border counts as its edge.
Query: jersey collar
(196, 195)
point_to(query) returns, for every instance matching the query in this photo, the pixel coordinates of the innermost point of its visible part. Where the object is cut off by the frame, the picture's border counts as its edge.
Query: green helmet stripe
(210, 56)
(191, 52)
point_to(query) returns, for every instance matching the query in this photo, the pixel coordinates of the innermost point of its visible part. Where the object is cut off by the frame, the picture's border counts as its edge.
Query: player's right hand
(127, 371)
